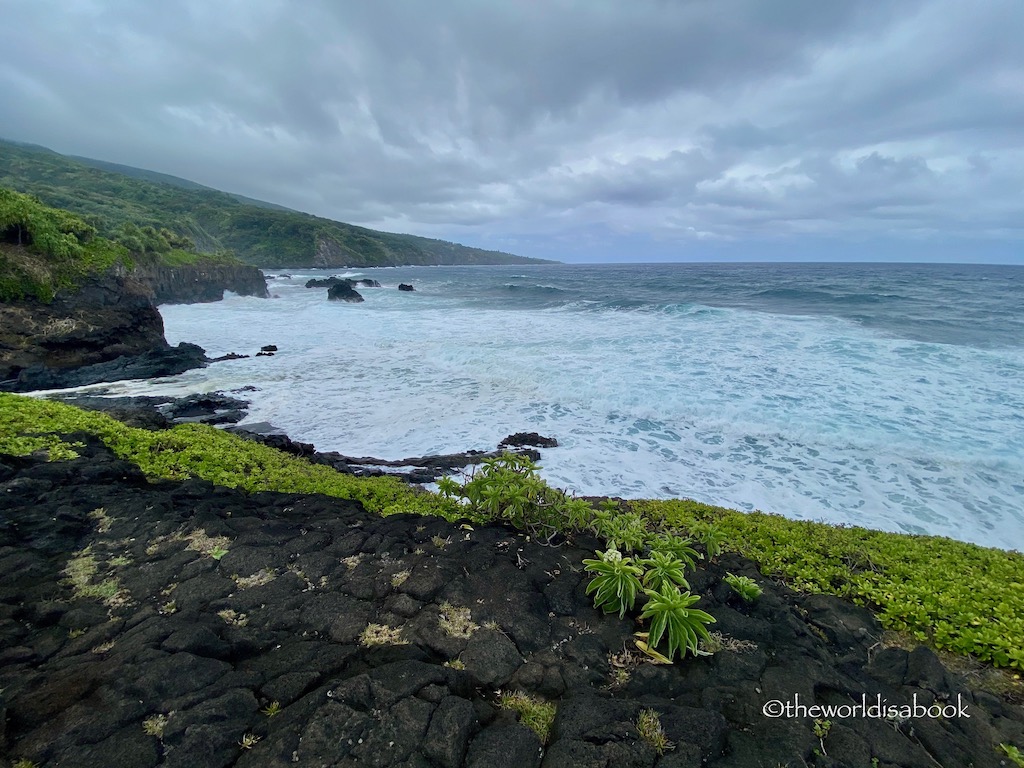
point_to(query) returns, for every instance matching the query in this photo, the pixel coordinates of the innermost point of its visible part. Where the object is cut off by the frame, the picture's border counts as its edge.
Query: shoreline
(281, 616)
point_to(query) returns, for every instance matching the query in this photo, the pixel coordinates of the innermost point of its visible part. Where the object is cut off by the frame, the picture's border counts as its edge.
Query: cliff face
(191, 284)
(110, 316)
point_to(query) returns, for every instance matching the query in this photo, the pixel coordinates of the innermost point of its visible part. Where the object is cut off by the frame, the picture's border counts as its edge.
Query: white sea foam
(809, 417)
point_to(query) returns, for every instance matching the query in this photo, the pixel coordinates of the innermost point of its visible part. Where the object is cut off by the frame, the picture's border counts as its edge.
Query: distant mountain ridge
(109, 195)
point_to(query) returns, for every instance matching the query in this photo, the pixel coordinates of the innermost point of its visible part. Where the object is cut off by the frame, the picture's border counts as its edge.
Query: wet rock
(528, 438)
(169, 361)
(343, 291)
(405, 287)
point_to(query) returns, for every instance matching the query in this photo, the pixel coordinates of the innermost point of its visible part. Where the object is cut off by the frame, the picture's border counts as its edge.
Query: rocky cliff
(108, 317)
(195, 283)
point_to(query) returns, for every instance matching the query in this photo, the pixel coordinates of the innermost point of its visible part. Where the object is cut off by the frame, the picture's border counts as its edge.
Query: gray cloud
(681, 123)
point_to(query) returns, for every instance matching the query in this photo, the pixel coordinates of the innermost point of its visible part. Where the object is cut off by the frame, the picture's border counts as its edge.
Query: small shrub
(661, 569)
(744, 586)
(508, 488)
(616, 583)
(676, 546)
(671, 615)
(712, 537)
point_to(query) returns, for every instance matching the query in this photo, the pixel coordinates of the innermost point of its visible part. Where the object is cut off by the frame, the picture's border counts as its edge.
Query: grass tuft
(648, 725)
(536, 714)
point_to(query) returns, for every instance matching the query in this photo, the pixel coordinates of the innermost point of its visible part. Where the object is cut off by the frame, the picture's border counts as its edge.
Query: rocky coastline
(171, 623)
(227, 409)
(197, 283)
(108, 328)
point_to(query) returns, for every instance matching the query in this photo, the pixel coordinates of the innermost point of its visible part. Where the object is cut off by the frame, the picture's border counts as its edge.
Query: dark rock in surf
(368, 283)
(269, 348)
(326, 282)
(528, 438)
(405, 287)
(343, 291)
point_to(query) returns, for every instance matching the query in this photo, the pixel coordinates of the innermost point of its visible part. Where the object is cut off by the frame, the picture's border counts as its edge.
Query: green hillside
(109, 196)
(46, 250)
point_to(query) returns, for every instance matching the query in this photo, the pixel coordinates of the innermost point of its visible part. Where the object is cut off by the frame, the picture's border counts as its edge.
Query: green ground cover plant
(955, 596)
(197, 450)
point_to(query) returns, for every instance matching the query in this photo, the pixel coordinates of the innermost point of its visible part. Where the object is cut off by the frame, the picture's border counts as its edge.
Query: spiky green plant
(744, 586)
(616, 583)
(660, 569)
(671, 615)
(676, 546)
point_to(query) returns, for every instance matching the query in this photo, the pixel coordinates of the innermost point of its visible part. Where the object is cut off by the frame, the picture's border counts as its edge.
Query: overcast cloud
(572, 129)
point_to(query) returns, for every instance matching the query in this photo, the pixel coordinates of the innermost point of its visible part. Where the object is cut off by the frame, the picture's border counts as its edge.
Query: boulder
(343, 291)
(405, 287)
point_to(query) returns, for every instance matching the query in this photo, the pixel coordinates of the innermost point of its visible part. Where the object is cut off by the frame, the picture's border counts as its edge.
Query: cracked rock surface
(177, 623)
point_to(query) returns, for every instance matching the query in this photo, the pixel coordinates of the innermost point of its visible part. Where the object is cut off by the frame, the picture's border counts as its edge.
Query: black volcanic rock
(326, 282)
(343, 291)
(208, 643)
(202, 282)
(405, 287)
(109, 317)
(528, 438)
(368, 283)
(167, 361)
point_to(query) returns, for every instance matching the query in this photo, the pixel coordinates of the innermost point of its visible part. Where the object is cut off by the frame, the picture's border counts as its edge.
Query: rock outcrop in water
(176, 623)
(343, 291)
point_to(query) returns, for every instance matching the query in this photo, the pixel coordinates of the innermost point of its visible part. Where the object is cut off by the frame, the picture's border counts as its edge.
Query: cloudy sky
(573, 129)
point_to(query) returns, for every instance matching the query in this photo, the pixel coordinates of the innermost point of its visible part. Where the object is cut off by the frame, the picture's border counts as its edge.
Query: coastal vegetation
(957, 597)
(111, 198)
(46, 250)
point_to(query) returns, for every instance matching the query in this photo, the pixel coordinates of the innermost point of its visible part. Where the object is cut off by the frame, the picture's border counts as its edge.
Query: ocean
(881, 395)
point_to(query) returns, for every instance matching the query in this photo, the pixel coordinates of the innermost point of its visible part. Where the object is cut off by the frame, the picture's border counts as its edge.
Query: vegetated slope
(46, 250)
(70, 298)
(259, 233)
